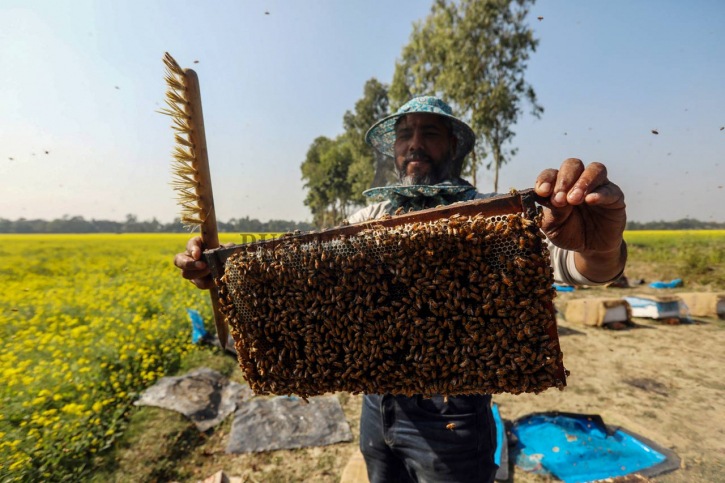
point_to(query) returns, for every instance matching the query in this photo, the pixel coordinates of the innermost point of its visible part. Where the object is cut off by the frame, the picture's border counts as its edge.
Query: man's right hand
(192, 268)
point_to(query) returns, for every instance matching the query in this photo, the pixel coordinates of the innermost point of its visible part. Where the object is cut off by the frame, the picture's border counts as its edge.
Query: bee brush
(190, 166)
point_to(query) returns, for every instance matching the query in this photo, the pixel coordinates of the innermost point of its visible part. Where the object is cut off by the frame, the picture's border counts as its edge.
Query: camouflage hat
(381, 136)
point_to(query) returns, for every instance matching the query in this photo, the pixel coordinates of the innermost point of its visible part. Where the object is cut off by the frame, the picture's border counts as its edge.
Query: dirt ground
(682, 407)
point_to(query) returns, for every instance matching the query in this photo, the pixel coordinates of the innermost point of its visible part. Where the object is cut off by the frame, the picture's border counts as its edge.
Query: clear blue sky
(607, 73)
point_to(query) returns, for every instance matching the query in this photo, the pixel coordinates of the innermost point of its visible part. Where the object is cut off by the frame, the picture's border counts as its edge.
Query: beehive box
(598, 312)
(705, 304)
(452, 300)
(655, 306)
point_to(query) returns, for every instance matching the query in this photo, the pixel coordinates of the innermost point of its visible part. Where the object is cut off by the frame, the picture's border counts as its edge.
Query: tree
(337, 171)
(326, 175)
(366, 163)
(313, 175)
(473, 53)
(336, 161)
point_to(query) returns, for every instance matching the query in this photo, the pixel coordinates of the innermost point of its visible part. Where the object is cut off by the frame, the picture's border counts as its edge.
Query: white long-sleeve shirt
(562, 261)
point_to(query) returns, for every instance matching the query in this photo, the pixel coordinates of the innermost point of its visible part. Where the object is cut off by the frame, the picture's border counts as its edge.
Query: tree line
(472, 54)
(683, 224)
(78, 224)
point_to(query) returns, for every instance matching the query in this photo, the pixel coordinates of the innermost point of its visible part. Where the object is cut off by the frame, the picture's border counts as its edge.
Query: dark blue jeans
(409, 439)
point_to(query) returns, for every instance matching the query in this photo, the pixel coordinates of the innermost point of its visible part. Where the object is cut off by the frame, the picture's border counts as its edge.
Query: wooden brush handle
(209, 234)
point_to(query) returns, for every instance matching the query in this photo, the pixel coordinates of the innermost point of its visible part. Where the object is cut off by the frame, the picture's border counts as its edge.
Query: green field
(89, 321)
(696, 256)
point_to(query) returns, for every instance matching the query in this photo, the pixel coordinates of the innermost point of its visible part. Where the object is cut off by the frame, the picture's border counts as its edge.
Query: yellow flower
(90, 341)
(73, 408)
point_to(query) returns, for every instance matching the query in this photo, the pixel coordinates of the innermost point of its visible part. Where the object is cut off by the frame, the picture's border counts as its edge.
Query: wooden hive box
(705, 304)
(598, 312)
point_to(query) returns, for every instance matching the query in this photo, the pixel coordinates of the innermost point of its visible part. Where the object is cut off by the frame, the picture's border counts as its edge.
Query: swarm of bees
(459, 305)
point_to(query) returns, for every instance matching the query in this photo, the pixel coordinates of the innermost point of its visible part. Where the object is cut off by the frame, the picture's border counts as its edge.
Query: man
(405, 438)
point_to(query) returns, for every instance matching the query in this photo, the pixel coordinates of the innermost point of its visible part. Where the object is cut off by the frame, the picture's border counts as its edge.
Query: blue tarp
(580, 448)
(671, 284)
(197, 325)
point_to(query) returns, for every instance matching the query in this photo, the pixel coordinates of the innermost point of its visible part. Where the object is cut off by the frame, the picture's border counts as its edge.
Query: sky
(81, 80)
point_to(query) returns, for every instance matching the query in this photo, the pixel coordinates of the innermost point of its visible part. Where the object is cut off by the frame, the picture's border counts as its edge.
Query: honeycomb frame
(338, 310)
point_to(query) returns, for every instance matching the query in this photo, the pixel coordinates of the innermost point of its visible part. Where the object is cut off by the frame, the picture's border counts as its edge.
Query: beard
(439, 171)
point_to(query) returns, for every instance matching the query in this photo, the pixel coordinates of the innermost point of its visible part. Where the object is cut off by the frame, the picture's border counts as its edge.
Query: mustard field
(671, 238)
(86, 323)
(89, 321)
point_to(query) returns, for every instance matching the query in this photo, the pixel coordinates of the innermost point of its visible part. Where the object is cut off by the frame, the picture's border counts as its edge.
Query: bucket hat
(381, 136)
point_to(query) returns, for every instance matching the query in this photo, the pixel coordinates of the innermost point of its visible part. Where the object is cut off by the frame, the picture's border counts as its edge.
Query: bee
(451, 426)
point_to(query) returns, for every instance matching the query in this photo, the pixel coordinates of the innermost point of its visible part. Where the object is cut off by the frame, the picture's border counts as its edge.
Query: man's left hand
(586, 214)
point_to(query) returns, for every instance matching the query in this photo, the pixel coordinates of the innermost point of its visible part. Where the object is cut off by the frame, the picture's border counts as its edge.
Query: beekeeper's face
(424, 148)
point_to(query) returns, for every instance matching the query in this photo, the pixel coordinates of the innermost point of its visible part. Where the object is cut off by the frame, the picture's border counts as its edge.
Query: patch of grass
(344, 397)
(213, 359)
(156, 440)
(326, 462)
(276, 475)
(696, 256)
(153, 443)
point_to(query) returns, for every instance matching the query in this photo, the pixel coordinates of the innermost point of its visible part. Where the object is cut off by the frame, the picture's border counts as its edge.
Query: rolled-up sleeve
(370, 212)
(565, 271)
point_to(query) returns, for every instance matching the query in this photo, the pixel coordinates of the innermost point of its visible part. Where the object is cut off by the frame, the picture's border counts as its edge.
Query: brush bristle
(183, 165)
